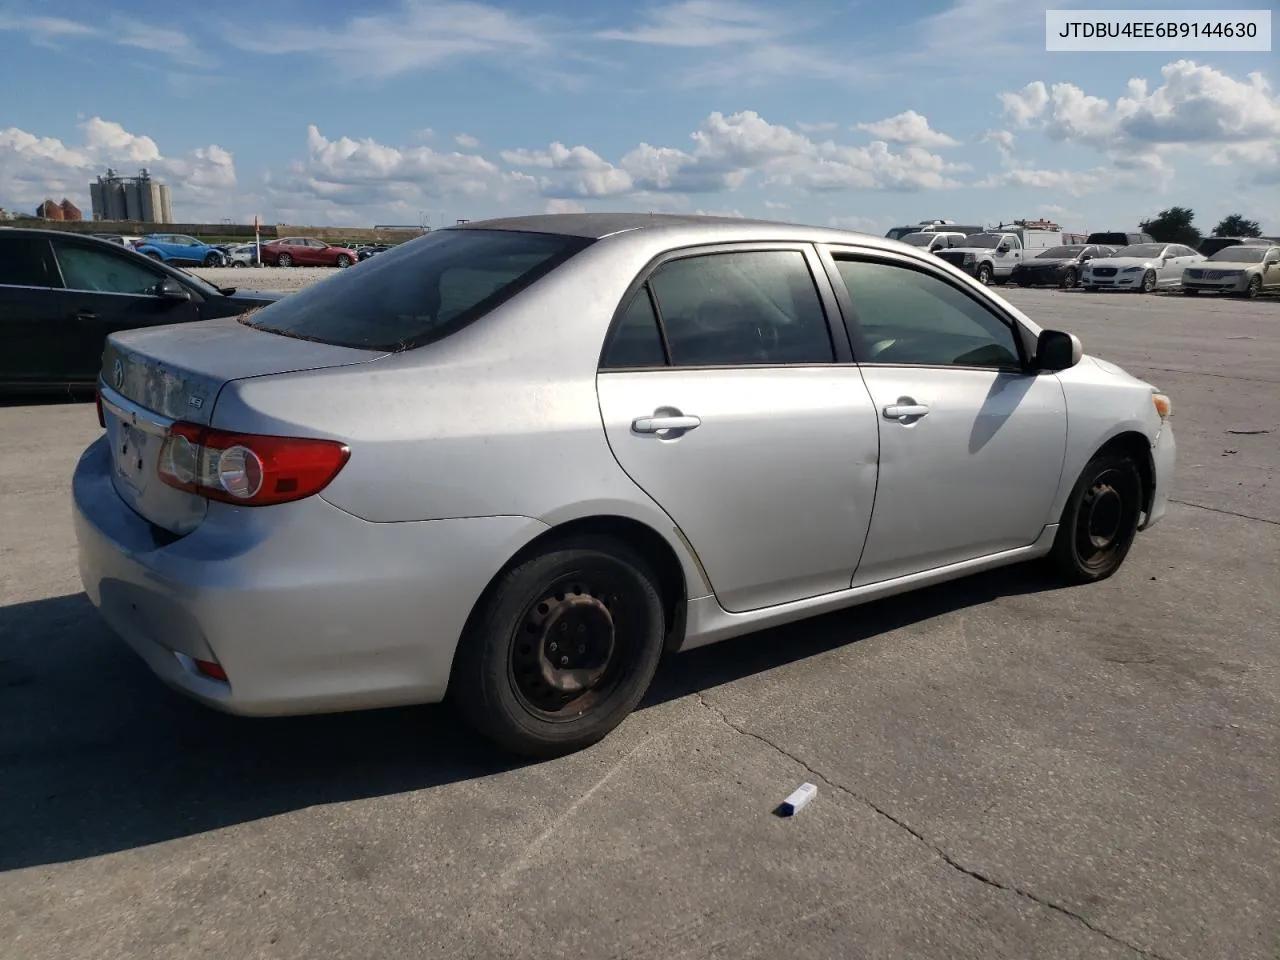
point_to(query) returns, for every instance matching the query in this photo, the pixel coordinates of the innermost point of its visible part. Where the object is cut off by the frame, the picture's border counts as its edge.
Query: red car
(306, 252)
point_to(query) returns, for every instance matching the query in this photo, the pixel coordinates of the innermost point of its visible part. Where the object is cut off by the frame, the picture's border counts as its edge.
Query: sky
(857, 113)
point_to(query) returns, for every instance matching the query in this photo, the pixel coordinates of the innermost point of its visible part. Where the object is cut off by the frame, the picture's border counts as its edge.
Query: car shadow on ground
(97, 756)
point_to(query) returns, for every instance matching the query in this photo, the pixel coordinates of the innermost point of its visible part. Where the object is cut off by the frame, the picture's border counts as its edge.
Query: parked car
(1119, 238)
(364, 253)
(1141, 267)
(737, 424)
(934, 240)
(1244, 270)
(242, 255)
(179, 250)
(1057, 266)
(1211, 245)
(62, 294)
(306, 252)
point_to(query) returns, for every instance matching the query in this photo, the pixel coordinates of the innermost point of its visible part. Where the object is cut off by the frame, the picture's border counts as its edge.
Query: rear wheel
(1149, 281)
(561, 649)
(155, 256)
(284, 260)
(1100, 521)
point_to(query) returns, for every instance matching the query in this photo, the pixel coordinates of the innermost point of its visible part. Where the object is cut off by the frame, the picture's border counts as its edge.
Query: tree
(1173, 226)
(1236, 225)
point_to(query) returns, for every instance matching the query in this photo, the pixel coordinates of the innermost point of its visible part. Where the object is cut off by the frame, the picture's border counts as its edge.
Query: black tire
(1100, 521)
(1188, 292)
(344, 260)
(505, 682)
(155, 256)
(1254, 288)
(1090, 289)
(284, 260)
(1149, 281)
(984, 274)
(212, 260)
(1069, 278)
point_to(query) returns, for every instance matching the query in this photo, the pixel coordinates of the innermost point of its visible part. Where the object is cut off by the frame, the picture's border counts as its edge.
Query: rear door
(105, 291)
(727, 399)
(28, 311)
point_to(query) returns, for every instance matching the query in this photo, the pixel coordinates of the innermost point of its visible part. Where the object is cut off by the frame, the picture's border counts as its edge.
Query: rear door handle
(904, 411)
(658, 424)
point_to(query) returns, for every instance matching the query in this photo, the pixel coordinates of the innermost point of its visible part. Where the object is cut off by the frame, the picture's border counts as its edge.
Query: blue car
(180, 250)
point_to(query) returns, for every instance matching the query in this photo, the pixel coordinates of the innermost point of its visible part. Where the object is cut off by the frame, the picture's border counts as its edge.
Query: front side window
(907, 316)
(420, 291)
(741, 308)
(103, 272)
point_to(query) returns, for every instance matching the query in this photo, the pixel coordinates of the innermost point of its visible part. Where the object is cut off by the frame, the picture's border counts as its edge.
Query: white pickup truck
(991, 256)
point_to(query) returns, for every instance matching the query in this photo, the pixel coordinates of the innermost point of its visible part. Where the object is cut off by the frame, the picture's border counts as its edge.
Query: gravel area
(286, 279)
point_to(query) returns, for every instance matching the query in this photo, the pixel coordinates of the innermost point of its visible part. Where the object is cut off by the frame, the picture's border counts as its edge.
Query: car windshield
(1061, 253)
(419, 292)
(1142, 251)
(1239, 254)
(984, 240)
(919, 239)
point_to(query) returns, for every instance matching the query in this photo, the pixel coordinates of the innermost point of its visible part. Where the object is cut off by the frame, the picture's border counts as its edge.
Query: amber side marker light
(1164, 406)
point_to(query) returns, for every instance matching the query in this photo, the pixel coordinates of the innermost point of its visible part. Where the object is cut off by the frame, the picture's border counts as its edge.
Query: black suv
(62, 294)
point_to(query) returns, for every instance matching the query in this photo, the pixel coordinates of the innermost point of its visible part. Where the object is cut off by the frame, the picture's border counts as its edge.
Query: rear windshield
(1061, 253)
(1111, 239)
(419, 291)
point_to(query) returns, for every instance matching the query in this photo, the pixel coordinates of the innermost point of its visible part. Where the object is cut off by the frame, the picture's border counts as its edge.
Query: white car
(1244, 270)
(1140, 267)
(242, 255)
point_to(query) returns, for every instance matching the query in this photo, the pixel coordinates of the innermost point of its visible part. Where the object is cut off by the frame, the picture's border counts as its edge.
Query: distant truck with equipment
(990, 256)
(929, 226)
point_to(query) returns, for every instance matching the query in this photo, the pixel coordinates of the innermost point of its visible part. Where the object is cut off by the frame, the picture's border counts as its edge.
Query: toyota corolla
(511, 463)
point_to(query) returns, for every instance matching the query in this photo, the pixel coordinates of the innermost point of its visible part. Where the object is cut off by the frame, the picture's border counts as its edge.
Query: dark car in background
(1119, 238)
(1057, 266)
(62, 294)
(365, 252)
(1211, 245)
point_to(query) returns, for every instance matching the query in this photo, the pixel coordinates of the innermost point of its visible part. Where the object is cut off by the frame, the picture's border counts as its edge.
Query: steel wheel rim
(1105, 518)
(570, 648)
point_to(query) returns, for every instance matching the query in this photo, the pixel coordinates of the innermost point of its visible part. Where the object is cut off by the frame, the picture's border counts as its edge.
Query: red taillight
(97, 399)
(211, 669)
(248, 469)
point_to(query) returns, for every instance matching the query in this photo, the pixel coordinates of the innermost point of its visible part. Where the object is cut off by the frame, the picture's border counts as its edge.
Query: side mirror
(1056, 350)
(171, 289)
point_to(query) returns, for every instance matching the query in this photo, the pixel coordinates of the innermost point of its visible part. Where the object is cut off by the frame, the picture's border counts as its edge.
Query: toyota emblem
(117, 374)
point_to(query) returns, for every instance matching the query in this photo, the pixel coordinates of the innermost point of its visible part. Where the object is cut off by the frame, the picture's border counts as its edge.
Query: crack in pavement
(920, 837)
(1229, 513)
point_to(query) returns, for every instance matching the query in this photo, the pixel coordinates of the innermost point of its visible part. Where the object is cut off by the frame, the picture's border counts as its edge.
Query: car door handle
(86, 316)
(657, 424)
(904, 411)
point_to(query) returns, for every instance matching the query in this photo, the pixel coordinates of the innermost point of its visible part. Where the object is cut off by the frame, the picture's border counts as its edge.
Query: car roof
(598, 226)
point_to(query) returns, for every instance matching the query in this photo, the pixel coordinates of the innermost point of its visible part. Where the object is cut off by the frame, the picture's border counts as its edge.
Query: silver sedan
(511, 463)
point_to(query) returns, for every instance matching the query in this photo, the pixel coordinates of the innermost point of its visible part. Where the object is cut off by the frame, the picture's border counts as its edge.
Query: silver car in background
(512, 462)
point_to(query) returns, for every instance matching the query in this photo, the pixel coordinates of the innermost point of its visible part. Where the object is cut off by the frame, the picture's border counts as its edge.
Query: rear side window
(27, 262)
(636, 341)
(420, 291)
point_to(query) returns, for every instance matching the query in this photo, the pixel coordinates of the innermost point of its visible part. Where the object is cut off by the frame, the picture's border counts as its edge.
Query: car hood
(256, 296)
(970, 249)
(1226, 265)
(1122, 262)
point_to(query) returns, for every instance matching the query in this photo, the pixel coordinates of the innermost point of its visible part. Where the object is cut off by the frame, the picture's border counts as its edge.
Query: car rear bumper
(307, 608)
(1163, 456)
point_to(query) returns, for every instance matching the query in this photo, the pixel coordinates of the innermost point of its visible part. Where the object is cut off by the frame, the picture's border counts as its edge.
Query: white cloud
(909, 128)
(1196, 106)
(37, 167)
(121, 31)
(775, 205)
(466, 141)
(699, 23)
(561, 205)
(823, 126)
(720, 213)
(415, 37)
(870, 225)
(1004, 141)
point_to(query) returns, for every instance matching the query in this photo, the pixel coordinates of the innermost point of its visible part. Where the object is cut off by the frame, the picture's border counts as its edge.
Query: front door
(722, 400)
(971, 446)
(105, 292)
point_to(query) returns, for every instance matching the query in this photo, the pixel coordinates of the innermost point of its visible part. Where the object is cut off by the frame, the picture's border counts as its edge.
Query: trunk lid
(154, 376)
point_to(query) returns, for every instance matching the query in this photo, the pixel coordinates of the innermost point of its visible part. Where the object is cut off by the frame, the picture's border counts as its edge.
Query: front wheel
(1149, 281)
(1100, 521)
(344, 260)
(1069, 279)
(212, 260)
(984, 275)
(561, 648)
(1254, 288)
